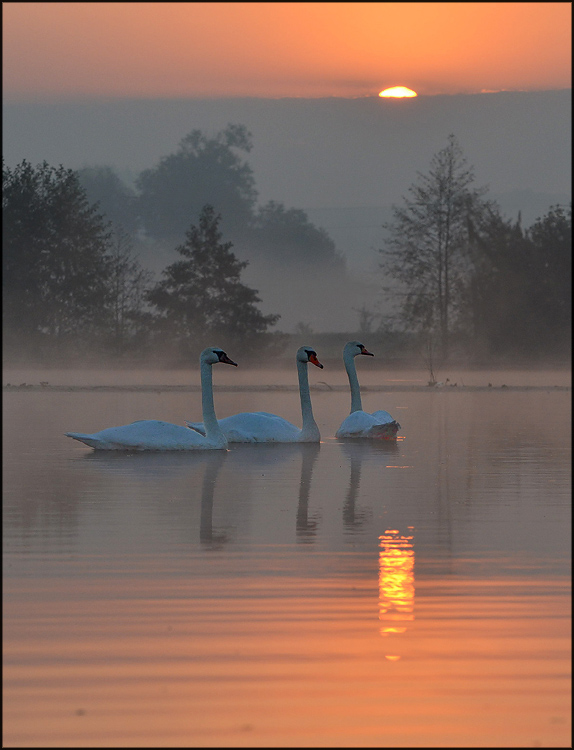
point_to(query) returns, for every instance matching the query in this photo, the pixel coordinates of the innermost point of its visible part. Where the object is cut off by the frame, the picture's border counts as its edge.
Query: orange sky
(282, 49)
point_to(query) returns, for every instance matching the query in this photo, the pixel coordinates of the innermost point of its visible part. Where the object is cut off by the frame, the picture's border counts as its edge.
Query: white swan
(154, 435)
(262, 427)
(359, 424)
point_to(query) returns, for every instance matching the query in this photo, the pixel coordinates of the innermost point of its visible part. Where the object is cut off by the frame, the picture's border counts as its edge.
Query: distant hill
(344, 161)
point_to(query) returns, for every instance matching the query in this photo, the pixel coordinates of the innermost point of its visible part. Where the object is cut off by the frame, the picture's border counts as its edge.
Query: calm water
(339, 594)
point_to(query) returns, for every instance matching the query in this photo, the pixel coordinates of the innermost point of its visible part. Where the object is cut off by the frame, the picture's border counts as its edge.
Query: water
(341, 594)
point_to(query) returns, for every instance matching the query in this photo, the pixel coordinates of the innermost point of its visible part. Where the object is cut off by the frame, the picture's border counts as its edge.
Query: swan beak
(225, 359)
(367, 352)
(313, 359)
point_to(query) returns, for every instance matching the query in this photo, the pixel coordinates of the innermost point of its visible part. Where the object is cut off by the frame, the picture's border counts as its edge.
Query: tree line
(466, 277)
(210, 170)
(463, 277)
(73, 285)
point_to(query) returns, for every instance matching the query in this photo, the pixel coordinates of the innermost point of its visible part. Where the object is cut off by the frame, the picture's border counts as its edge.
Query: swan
(154, 435)
(359, 424)
(262, 427)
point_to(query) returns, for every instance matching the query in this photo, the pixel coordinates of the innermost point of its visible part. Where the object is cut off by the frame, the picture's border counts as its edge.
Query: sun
(398, 92)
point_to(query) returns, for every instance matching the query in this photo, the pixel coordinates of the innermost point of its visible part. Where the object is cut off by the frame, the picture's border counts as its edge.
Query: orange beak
(313, 359)
(366, 351)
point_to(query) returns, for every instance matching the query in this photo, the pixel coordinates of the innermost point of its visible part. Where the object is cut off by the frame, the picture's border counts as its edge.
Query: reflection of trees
(51, 512)
(39, 502)
(514, 436)
(306, 527)
(443, 471)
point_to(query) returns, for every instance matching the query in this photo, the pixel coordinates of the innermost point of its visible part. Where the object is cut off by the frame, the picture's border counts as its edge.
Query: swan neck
(356, 403)
(309, 424)
(212, 428)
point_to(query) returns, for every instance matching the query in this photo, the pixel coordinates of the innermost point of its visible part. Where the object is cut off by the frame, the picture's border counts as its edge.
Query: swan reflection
(306, 528)
(171, 484)
(176, 473)
(243, 462)
(207, 535)
(356, 452)
(253, 459)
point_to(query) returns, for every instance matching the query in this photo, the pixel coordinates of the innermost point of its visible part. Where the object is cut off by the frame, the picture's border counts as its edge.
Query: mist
(344, 162)
(314, 153)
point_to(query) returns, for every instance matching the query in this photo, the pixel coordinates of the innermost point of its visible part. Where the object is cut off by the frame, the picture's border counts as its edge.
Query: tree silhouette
(203, 171)
(427, 242)
(129, 321)
(116, 201)
(551, 237)
(55, 258)
(202, 296)
(286, 236)
(519, 293)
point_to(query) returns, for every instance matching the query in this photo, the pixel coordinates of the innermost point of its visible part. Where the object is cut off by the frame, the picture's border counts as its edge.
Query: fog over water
(370, 374)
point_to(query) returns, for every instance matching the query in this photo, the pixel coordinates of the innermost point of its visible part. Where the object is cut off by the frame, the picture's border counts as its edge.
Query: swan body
(360, 424)
(155, 435)
(263, 427)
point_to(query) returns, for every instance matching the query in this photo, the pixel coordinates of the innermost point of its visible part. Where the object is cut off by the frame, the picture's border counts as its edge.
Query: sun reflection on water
(396, 583)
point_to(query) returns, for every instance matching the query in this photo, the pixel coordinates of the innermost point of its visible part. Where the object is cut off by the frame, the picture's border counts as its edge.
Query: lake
(363, 594)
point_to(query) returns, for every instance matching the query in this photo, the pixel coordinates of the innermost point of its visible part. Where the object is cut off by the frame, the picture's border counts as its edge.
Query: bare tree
(128, 284)
(427, 242)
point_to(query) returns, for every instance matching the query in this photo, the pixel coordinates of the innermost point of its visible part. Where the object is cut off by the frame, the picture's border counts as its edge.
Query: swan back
(152, 434)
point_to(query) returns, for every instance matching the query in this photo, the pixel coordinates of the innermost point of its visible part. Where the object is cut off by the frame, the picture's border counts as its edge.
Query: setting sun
(398, 92)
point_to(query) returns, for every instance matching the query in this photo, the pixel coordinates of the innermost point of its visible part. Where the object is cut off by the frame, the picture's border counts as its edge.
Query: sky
(274, 50)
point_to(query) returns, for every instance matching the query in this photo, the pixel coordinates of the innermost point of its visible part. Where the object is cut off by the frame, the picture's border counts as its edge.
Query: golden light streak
(398, 92)
(393, 630)
(396, 583)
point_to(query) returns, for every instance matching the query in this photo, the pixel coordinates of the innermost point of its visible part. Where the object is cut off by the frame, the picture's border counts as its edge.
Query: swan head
(214, 354)
(352, 348)
(308, 354)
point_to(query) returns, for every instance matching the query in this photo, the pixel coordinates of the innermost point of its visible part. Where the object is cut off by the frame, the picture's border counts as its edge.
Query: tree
(519, 291)
(115, 199)
(202, 171)
(128, 286)
(55, 256)
(202, 297)
(287, 236)
(426, 247)
(495, 287)
(551, 237)
(367, 320)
